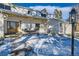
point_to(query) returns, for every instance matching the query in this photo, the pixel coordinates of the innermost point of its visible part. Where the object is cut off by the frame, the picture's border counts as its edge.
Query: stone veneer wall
(1, 25)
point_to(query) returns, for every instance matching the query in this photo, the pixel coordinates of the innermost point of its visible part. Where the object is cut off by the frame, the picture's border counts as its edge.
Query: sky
(64, 7)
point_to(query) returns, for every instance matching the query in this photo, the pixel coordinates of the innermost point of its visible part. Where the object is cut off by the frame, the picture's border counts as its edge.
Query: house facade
(68, 27)
(14, 19)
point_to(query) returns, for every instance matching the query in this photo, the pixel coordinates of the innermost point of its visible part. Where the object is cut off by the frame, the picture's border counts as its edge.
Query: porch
(15, 25)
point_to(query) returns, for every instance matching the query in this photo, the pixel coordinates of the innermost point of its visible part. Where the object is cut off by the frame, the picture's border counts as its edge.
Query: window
(43, 15)
(60, 24)
(7, 7)
(33, 13)
(2, 6)
(12, 26)
(29, 12)
(38, 13)
(37, 26)
(29, 27)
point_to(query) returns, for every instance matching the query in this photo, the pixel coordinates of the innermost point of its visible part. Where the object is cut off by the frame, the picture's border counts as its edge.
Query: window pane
(7, 7)
(1, 6)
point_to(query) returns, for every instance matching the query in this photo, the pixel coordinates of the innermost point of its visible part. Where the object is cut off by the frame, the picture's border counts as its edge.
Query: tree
(58, 14)
(13, 6)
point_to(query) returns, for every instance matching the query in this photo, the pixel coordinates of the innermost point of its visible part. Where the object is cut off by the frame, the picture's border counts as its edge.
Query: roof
(19, 14)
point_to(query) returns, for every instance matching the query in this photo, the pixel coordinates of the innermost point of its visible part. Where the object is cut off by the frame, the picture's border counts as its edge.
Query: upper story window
(29, 12)
(7, 7)
(60, 24)
(44, 12)
(43, 15)
(2, 6)
(34, 13)
(38, 13)
(51, 16)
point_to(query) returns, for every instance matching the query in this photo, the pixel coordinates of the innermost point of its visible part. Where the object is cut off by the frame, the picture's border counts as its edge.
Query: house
(68, 27)
(56, 25)
(14, 19)
(56, 22)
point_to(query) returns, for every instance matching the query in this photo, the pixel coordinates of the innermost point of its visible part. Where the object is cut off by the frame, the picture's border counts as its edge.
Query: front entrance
(12, 27)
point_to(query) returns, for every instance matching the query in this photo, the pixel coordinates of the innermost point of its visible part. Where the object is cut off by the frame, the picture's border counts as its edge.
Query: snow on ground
(48, 47)
(7, 42)
(42, 44)
(20, 39)
(20, 47)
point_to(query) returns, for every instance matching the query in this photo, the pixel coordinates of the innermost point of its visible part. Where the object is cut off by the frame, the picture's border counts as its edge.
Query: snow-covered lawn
(42, 45)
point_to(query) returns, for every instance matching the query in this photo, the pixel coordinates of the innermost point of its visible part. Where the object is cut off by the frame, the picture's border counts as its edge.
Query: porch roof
(19, 14)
